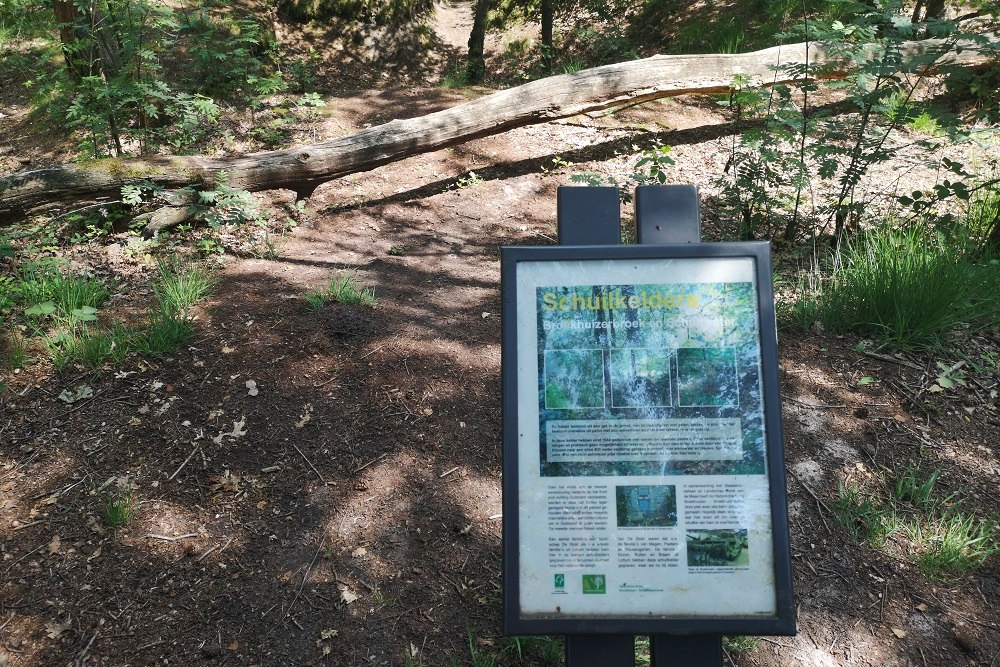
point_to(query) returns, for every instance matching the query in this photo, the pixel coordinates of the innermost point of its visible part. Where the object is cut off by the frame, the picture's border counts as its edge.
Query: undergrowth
(902, 512)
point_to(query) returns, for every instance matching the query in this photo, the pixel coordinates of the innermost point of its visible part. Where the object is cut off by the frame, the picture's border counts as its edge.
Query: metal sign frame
(782, 621)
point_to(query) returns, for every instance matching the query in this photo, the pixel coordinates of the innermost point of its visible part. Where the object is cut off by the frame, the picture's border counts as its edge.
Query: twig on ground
(80, 659)
(29, 525)
(892, 360)
(371, 352)
(310, 463)
(374, 460)
(324, 383)
(181, 467)
(168, 538)
(212, 549)
(305, 577)
(448, 472)
(819, 502)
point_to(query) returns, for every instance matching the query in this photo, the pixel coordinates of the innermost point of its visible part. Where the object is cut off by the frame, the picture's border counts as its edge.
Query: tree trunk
(476, 67)
(304, 168)
(547, 45)
(68, 19)
(935, 9)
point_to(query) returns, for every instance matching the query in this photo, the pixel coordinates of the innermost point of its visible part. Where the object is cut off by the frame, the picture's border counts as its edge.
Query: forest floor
(348, 511)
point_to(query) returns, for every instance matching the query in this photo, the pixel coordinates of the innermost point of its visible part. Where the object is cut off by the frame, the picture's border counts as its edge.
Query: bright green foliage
(952, 543)
(176, 290)
(118, 507)
(864, 516)
(13, 351)
(937, 535)
(342, 288)
(910, 287)
(165, 334)
(141, 75)
(61, 311)
(45, 290)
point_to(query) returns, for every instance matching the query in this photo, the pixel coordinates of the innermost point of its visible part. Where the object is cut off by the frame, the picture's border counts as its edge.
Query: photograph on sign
(642, 439)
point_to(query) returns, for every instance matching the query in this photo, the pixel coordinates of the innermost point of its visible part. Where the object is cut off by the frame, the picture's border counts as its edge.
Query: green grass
(910, 288)
(455, 77)
(165, 334)
(118, 508)
(952, 543)
(740, 643)
(14, 349)
(910, 487)
(934, 533)
(65, 297)
(342, 288)
(176, 290)
(864, 516)
(61, 310)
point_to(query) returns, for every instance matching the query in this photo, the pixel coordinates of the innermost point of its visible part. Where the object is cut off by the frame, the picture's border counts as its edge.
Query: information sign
(643, 465)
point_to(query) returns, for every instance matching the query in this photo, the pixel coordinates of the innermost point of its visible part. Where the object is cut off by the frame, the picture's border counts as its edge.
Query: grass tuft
(343, 288)
(941, 539)
(119, 507)
(911, 288)
(177, 290)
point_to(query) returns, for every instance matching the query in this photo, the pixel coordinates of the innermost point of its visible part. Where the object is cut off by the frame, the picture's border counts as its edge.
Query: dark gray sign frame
(783, 621)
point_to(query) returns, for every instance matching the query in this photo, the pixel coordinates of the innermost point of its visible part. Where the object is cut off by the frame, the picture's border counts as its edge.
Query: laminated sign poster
(642, 455)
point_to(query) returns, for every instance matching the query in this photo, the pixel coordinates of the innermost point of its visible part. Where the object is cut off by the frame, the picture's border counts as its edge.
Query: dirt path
(452, 22)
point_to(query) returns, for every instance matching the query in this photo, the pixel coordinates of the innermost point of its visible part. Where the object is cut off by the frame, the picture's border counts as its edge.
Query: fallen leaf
(348, 596)
(327, 634)
(485, 315)
(81, 392)
(327, 650)
(359, 552)
(55, 545)
(144, 409)
(227, 350)
(252, 388)
(237, 432)
(305, 417)
(428, 412)
(899, 633)
(921, 607)
(54, 628)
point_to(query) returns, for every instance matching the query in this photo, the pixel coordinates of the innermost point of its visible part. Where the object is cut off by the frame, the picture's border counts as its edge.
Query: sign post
(643, 465)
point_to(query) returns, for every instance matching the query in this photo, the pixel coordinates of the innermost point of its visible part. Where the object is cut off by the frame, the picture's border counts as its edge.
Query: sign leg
(600, 651)
(685, 650)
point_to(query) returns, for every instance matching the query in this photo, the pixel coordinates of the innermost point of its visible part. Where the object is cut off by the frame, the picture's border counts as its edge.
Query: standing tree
(548, 12)
(476, 67)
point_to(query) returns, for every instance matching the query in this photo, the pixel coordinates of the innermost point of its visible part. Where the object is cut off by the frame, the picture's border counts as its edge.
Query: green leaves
(43, 309)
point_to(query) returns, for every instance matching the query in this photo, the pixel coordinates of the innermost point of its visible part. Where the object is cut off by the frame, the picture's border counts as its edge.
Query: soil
(345, 508)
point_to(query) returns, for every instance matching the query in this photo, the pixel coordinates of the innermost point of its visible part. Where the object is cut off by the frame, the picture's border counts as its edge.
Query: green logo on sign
(594, 584)
(560, 581)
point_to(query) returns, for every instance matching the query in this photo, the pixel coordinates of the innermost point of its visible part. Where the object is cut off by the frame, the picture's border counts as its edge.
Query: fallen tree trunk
(302, 169)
